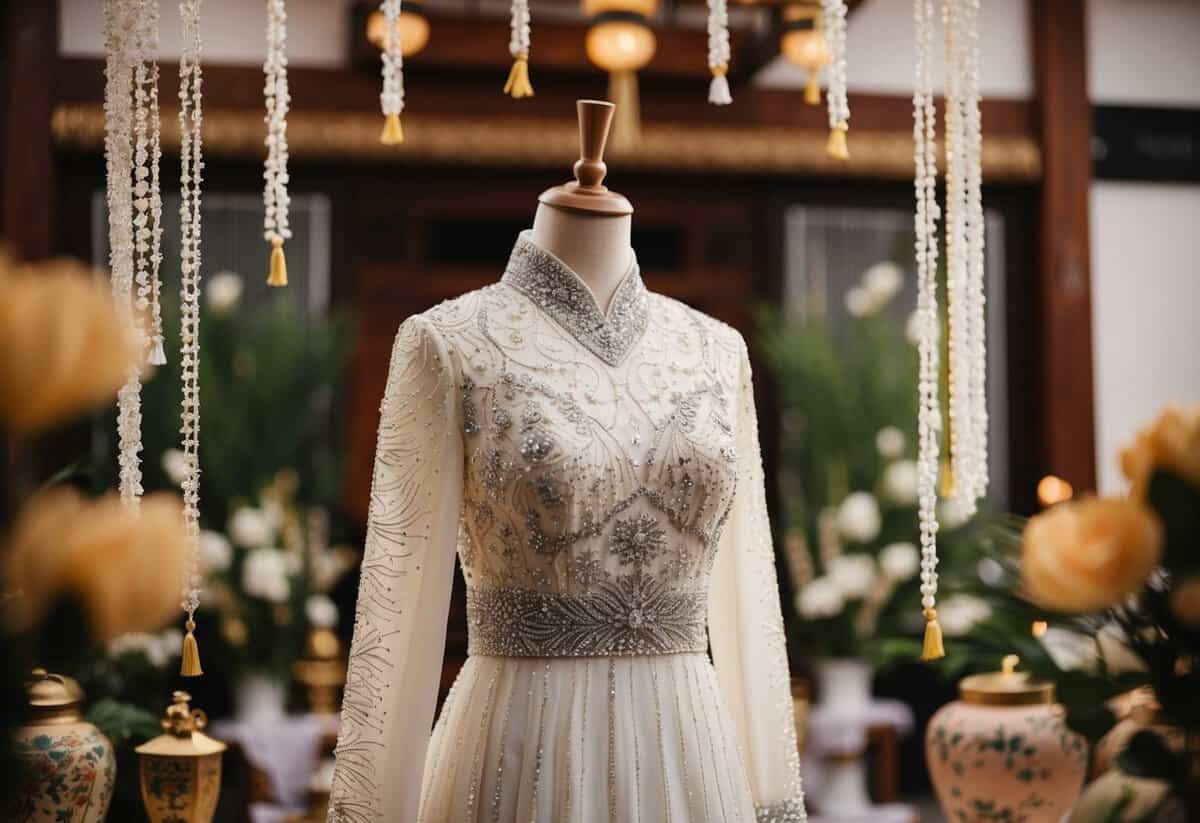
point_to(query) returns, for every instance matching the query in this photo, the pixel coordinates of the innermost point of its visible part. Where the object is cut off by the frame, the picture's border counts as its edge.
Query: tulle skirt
(585, 740)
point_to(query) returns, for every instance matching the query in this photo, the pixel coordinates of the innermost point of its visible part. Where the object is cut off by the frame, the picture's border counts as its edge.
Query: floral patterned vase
(68, 768)
(1003, 753)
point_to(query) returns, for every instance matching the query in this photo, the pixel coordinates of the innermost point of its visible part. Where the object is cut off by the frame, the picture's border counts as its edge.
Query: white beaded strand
(974, 471)
(718, 53)
(834, 13)
(929, 419)
(276, 201)
(518, 85)
(391, 99)
(119, 33)
(191, 169)
(147, 232)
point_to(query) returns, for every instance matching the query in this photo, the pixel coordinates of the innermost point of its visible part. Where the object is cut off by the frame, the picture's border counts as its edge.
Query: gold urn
(181, 768)
(322, 671)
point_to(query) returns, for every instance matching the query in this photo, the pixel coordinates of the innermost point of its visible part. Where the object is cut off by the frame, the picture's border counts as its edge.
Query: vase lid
(182, 735)
(1007, 687)
(52, 697)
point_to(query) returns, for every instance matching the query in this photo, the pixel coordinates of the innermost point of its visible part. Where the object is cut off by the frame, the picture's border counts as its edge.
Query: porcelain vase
(845, 689)
(1004, 762)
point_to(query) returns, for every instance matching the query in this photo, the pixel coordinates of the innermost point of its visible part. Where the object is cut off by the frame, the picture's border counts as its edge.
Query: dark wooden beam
(432, 92)
(1065, 128)
(30, 50)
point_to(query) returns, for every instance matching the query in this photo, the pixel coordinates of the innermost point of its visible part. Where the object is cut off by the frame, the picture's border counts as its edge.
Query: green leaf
(1177, 503)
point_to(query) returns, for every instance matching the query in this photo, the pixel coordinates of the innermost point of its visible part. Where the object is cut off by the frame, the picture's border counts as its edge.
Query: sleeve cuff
(785, 811)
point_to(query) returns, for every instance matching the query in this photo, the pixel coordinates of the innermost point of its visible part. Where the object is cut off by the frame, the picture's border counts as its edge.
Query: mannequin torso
(595, 246)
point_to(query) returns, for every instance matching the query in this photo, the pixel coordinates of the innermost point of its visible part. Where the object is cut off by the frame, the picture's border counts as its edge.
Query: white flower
(899, 561)
(952, 513)
(820, 598)
(900, 482)
(912, 329)
(175, 465)
(224, 291)
(889, 441)
(858, 517)
(1116, 650)
(170, 640)
(140, 642)
(959, 613)
(216, 553)
(322, 612)
(882, 282)
(853, 574)
(250, 528)
(264, 575)
(858, 302)
(1070, 650)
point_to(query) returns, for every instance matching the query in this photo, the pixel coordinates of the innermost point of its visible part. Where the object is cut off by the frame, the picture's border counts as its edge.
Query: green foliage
(269, 381)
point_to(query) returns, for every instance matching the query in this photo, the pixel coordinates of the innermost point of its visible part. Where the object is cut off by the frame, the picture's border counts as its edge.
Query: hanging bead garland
(966, 479)
(929, 416)
(518, 84)
(391, 99)
(132, 155)
(191, 170)
(275, 173)
(839, 107)
(718, 52)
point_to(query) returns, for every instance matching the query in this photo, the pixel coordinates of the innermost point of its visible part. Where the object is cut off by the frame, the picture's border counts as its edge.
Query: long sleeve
(404, 594)
(746, 633)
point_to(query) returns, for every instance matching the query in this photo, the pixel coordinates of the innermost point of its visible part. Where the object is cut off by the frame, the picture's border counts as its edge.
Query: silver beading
(275, 92)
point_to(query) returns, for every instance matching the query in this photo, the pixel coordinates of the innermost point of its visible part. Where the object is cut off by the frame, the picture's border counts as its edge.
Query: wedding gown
(600, 477)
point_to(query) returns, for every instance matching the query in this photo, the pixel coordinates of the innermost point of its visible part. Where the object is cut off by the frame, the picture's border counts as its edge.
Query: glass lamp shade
(803, 42)
(620, 42)
(645, 8)
(414, 30)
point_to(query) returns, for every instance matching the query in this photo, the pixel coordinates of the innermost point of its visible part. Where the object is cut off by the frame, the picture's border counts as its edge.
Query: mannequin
(582, 223)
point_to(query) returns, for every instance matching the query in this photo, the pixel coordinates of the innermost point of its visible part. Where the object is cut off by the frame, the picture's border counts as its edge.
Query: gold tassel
(932, 648)
(627, 119)
(190, 667)
(392, 134)
(812, 89)
(836, 147)
(518, 79)
(278, 270)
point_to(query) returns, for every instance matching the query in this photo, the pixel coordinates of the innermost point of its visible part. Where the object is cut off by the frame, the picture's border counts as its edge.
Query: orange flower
(1171, 442)
(125, 565)
(1088, 555)
(64, 346)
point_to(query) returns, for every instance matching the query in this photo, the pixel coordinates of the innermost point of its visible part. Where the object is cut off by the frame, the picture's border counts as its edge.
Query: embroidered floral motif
(637, 540)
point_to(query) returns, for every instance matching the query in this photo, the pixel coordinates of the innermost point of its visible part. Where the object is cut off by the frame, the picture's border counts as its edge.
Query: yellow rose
(124, 565)
(64, 347)
(1171, 442)
(1088, 555)
(1185, 601)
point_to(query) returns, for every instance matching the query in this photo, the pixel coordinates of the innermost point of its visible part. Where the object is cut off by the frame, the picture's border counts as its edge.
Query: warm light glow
(646, 8)
(804, 47)
(620, 45)
(1051, 490)
(1040, 627)
(414, 31)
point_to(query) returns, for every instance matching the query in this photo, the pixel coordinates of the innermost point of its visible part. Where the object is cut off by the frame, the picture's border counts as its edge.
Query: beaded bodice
(600, 462)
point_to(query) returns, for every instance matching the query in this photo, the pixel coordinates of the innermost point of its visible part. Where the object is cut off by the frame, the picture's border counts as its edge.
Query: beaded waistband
(627, 616)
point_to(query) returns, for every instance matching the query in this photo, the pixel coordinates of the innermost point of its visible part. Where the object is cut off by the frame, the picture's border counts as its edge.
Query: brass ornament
(181, 768)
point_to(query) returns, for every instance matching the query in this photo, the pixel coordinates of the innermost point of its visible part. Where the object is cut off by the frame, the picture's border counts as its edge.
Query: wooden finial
(587, 192)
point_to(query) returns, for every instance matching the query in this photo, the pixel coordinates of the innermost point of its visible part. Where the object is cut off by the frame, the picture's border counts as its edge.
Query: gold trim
(543, 143)
(996, 689)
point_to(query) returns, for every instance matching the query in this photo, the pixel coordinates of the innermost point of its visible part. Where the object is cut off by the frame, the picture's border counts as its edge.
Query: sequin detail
(787, 811)
(625, 616)
(553, 286)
